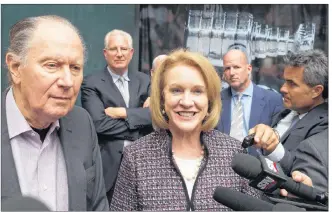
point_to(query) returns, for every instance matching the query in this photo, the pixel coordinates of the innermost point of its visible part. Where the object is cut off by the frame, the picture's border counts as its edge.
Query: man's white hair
(158, 58)
(118, 32)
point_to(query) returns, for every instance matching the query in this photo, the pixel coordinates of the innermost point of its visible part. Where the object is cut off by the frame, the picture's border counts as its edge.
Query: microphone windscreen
(240, 202)
(246, 165)
(23, 203)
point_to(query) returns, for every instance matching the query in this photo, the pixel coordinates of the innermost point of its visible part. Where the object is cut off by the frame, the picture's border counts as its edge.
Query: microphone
(241, 202)
(268, 176)
(248, 141)
(23, 203)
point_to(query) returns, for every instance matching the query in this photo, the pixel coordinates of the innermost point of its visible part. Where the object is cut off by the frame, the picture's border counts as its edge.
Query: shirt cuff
(277, 154)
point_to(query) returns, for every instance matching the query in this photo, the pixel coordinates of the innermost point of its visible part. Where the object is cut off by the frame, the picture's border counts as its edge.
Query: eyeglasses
(114, 50)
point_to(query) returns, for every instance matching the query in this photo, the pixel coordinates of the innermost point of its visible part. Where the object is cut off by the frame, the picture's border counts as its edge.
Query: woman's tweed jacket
(149, 179)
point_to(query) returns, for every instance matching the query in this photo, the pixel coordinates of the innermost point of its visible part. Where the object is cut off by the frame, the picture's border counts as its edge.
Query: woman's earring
(205, 118)
(164, 115)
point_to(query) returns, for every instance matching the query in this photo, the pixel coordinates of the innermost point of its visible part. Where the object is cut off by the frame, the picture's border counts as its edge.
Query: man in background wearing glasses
(114, 97)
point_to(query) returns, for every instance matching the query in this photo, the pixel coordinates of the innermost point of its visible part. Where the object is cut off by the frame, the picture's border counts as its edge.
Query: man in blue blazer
(117, 100)
(258, 105)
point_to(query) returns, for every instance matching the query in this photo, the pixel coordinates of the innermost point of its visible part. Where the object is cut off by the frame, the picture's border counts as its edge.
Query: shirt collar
(116, 77)
(300, 115)
(16, 122)
(247, 92)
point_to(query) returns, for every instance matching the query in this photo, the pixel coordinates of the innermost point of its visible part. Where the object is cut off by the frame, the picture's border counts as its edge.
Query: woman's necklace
(189, 167)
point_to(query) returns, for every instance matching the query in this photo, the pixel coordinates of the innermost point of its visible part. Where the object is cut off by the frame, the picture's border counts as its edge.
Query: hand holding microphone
(300, 178)
(262, 136)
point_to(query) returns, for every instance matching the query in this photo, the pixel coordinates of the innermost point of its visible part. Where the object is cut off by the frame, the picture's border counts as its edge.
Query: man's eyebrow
(290, 80)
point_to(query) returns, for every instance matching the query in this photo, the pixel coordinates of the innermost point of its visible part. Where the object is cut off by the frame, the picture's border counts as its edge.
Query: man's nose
(283, 88)
(66, 78)
(119, 52)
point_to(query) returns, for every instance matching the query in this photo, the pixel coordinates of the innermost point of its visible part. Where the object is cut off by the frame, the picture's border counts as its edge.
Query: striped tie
(121, 86)
(237, 120)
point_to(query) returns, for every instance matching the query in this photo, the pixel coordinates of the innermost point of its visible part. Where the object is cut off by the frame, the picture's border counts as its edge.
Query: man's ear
(249, 66)
(317, 90)
(13, 65)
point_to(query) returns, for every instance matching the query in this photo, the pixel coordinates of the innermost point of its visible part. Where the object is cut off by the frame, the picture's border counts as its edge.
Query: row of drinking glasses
(213, 33)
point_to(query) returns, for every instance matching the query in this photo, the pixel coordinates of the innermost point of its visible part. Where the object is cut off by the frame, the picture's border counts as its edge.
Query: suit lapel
(257, 106)
(133, 85)
(10, 186)
(75, 169)
(279, 116)
(112, 88)
(310, 119)
(226, 112)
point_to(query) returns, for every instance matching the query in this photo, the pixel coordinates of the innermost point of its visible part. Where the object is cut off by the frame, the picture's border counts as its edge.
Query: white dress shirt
(282, 127)
(40, 165)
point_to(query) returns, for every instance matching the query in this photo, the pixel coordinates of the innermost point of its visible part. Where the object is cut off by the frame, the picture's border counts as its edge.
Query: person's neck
(119, 72)
(186, 145)
(316, 103)
(33, 119)
(243, 88)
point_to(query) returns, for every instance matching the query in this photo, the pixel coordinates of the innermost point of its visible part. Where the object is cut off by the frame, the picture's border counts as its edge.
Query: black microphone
(248, 141)
(268, 176)
(241, 202)
(23, 203)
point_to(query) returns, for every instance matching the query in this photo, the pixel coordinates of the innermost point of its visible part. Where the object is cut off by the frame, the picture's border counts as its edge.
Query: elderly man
(49, 147)
(291, 135)
(156, 62)
(244, 103)
(114, 97)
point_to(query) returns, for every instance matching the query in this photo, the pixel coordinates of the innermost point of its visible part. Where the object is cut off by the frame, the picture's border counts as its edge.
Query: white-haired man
(114, 97)
(156, 62)
(49, 147)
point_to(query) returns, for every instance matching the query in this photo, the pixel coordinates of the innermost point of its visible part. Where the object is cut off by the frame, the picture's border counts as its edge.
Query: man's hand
(300, 178)
(116, 112)
(265, 137)
(146, 103)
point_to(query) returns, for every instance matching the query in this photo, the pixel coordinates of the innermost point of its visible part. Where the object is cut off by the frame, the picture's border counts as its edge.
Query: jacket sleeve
(125, 196)
(311, 158)
(98, 200)
(138, 118)
(104, 124)
(287, 161)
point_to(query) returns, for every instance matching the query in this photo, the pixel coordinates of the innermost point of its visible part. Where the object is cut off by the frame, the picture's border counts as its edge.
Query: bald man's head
(238, 53)
(236, 69)
(157, 61)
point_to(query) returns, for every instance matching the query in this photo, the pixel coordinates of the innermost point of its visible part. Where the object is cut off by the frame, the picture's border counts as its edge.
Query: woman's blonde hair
(211, 79)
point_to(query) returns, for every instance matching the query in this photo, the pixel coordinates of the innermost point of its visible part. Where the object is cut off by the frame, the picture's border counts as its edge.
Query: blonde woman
(179, 166)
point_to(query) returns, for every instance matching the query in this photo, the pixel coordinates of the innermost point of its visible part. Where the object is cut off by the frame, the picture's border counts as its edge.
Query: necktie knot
(121, 79)
(238, 98)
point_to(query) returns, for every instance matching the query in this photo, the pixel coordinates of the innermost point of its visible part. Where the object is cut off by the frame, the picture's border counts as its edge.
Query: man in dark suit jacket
(311, 158)
(305, 90)
(119, 109)
(49, 147)
(258, 105)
